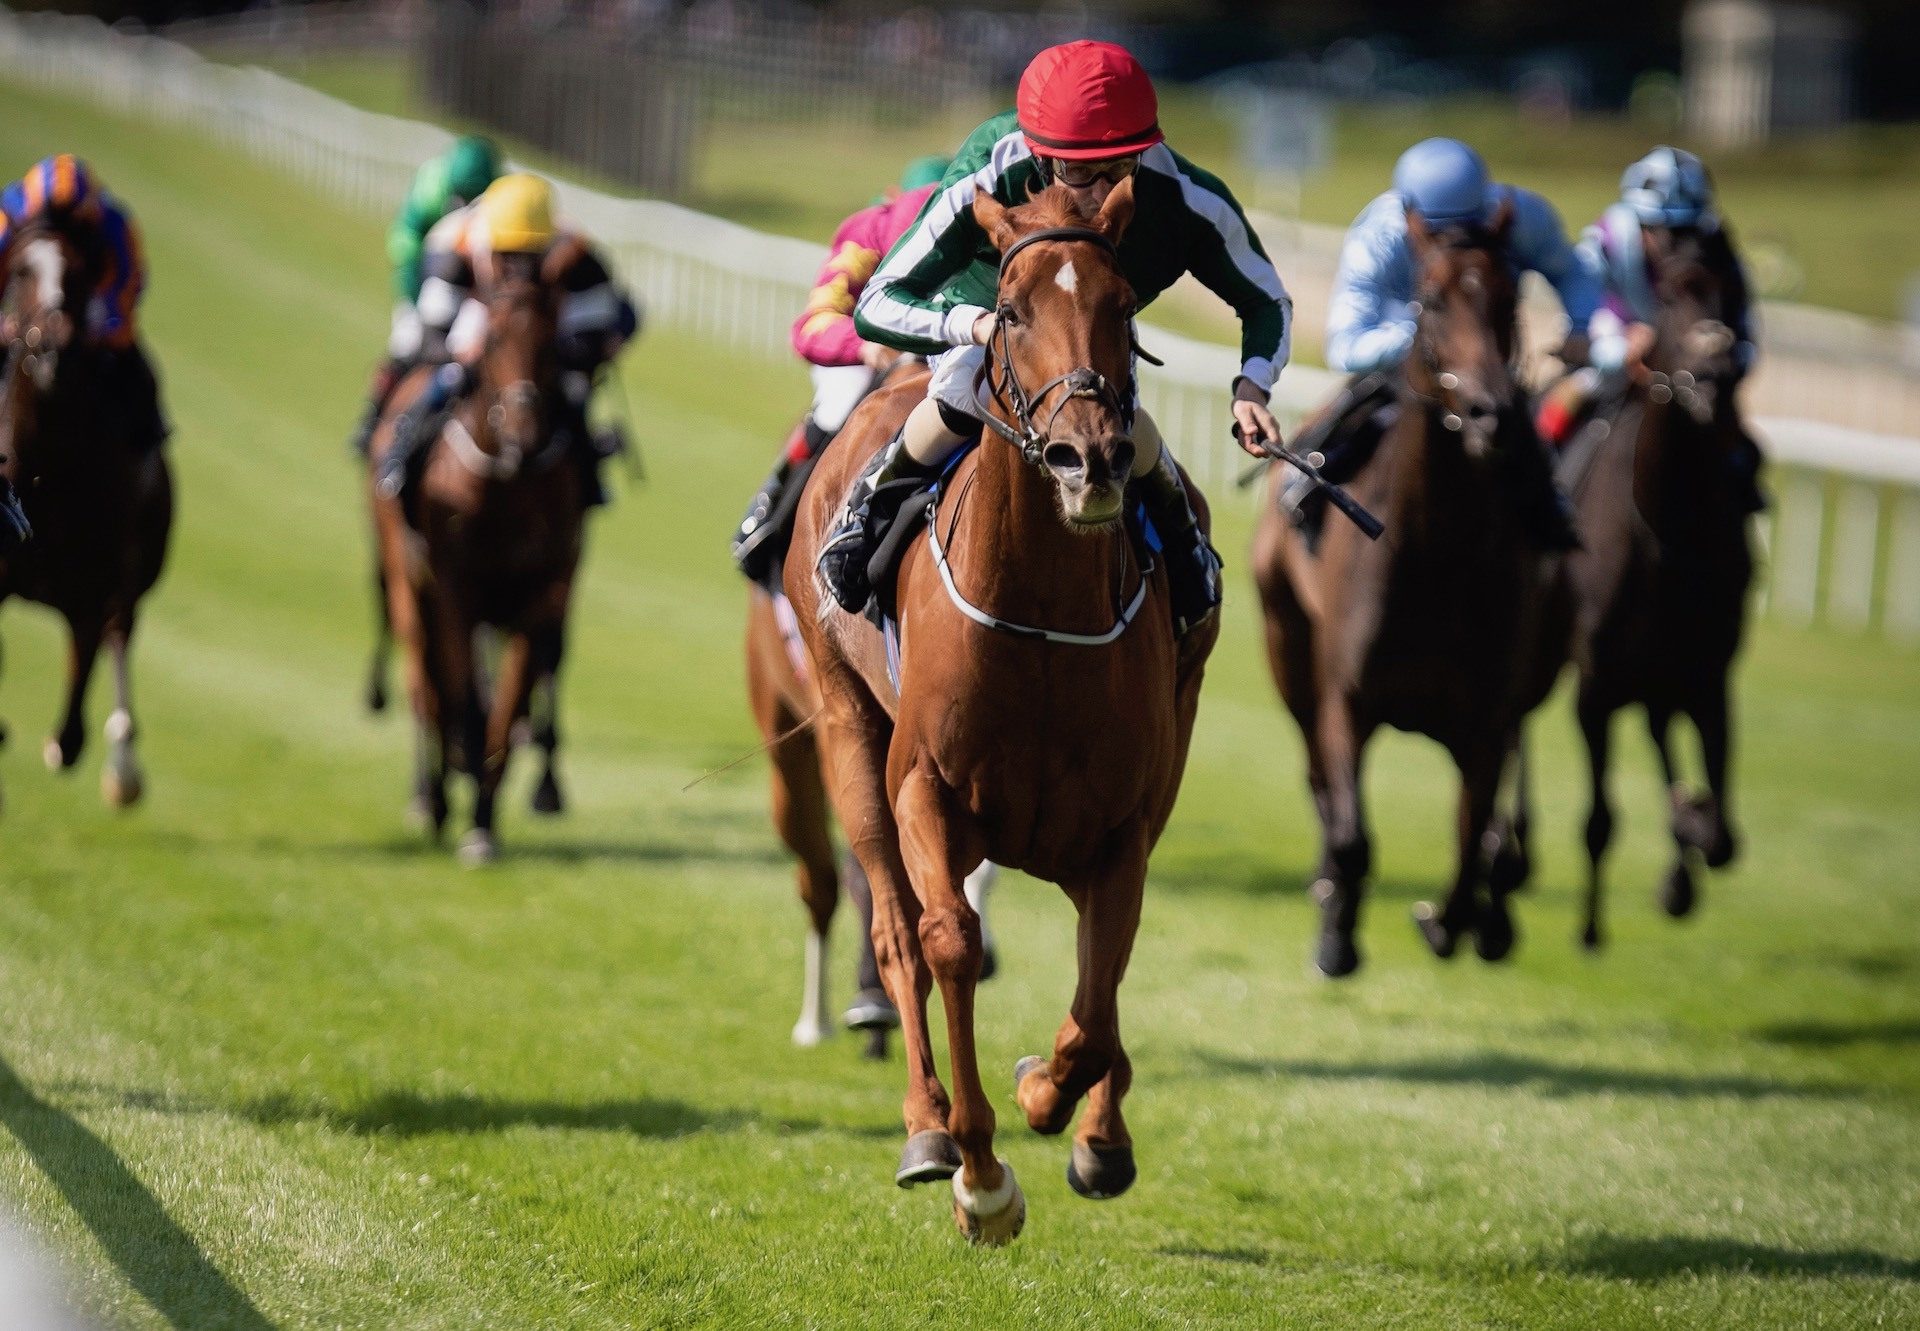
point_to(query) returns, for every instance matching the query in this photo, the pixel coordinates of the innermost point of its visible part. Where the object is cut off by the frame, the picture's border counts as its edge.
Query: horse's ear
(1502, 222)
(1656, 242)
(991, 214)
(1116, 212)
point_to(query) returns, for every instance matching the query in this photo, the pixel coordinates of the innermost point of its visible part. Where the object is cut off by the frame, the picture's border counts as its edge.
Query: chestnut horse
(494, 540)
(1436, 627)
(100, 498)
(1661, 588)
(1049, 738)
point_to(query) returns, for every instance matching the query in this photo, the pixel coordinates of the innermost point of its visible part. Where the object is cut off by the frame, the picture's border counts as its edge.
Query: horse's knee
(950, 941)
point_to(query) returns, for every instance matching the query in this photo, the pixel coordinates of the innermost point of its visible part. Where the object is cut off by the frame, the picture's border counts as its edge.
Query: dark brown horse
(1661, 588)
(494, 541)
(1435, 627)
(1057, 752)
(100, 495)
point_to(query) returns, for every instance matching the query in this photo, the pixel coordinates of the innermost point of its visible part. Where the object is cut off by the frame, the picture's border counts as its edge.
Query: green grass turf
(265, 1061)
(1830, 210)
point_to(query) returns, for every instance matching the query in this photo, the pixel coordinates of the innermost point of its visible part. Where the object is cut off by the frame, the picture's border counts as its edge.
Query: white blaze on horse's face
(1066, 279)
(48, 265)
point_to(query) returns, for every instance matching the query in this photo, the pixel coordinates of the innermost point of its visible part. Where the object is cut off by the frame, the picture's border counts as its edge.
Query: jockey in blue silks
(1371, 316)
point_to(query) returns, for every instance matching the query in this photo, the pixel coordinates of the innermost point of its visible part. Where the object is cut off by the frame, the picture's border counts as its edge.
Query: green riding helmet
(924, 171)
(473, 163)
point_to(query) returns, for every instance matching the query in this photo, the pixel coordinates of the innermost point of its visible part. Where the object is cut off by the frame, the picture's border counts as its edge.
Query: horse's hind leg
(1510, 862)
(800, 814)
(1596, 726)
(871, 1011)
(1088, 1057)
(121, 781)
(939, 853)
(979, 887)
(1677, 894)
(1463, 911)
(64, 745)
(382, 642)
(1705, 822)
(547, 650)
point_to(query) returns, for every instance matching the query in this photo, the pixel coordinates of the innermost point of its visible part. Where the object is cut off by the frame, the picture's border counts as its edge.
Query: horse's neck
(1023, 563)
(1673, 462)
(1433, 485)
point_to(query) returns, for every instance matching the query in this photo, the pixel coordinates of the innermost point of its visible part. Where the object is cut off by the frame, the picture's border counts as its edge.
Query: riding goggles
(1079, 175)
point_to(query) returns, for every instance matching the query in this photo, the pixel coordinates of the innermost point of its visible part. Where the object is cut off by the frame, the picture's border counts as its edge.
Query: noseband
(1029, 436)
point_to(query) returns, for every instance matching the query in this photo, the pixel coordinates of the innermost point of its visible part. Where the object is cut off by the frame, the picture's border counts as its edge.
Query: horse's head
(1697, 285)
(518, 366)
(48, 286)
(1466, 293)
(1061, 359)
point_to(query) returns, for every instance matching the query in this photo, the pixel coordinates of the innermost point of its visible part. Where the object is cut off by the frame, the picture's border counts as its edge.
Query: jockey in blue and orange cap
(61, 192)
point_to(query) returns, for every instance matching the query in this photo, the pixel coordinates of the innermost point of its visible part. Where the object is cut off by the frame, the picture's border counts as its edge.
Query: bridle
(1026, 433)
(1423, 346)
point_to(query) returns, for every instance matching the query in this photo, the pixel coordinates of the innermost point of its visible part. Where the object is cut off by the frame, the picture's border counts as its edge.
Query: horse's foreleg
(979, 887)
(1088, 1057)
(1677, 894)
(121, 781)
(800, 816)
(510, 691)
(1333, 760)
(855, 744)
(1508, 842)
(462, 727)
(382, 642)
(1712, 718)
(548, 647)
(872, 1011)
(1596, 726)
(939, 852)
(63, 747)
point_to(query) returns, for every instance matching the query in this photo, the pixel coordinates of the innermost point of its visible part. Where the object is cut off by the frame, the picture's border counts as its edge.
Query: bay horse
(100, 497)
(494, 540)
(1035, 723)
(1438, 627)
(1660, 591)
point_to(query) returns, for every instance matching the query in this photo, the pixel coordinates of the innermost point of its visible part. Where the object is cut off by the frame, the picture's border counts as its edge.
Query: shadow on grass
(1836, 1034)
(157, 1257)
(1665, 1256)
(409, 1114)
(412, 846)
(1517, 1071)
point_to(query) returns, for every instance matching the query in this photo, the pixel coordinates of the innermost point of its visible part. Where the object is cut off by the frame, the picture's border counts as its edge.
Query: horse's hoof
(1100, 1173)
(1336, 957)
(1025, 1068)
(872, 1010)
(1592, 939)
(929, 1156)
(1723, 849)
(478, 849)
(1433, 928)
(376, 697)
(875, 1049)
(1493, 932)
(54, 756)
(989, 962)
(546, 796)
(808, 1033)
(1510, 869)
(990, 1219)
(1677, 894)
(121, 788)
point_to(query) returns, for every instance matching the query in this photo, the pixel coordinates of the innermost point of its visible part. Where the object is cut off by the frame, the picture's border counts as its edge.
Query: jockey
(843, 367)
(1371, 314)
(513, 216)
(1086, 117)
(443, 184)
(61, 193)
(1667, 190)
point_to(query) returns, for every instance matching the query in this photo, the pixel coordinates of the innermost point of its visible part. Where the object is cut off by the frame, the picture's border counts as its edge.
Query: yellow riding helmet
(516, 214)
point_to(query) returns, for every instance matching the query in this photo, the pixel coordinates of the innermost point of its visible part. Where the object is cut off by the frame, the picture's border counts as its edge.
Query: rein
(508, 462)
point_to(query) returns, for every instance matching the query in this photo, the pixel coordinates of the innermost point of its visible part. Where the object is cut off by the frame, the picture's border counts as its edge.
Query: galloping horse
(1661, 588)
(101, 499)
(1435, 628)
(1043, 709)
(494, 540)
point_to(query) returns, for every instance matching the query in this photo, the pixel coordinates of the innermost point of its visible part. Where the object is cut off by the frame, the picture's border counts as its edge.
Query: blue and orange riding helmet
(61, 186)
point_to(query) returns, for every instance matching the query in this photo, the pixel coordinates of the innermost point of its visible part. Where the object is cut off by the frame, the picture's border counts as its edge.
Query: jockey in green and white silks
(1086, 118)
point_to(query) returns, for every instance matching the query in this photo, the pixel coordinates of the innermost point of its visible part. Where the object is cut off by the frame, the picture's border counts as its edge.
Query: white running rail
(1842, 544)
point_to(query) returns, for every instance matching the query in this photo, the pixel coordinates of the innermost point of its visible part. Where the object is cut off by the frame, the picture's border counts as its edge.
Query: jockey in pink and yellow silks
(843, 365)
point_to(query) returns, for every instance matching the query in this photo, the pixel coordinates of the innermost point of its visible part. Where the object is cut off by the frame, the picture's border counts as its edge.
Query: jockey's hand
(1640, 340)
(983, 328)
(874, 356)
(1253, 423)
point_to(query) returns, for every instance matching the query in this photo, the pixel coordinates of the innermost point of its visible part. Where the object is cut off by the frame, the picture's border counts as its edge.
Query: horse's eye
(1009, 316)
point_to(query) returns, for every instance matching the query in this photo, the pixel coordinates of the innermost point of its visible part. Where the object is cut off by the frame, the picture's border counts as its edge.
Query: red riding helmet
(1087, 100)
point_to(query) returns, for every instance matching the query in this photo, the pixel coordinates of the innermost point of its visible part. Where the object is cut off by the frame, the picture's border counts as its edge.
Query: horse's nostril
(1065, 459)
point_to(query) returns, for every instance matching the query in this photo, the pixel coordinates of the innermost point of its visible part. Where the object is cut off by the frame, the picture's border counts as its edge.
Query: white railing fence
(1842, 543)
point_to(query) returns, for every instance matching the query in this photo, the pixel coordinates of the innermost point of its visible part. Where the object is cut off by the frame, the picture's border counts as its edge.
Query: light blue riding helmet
(1669, 187)
(1444, 181)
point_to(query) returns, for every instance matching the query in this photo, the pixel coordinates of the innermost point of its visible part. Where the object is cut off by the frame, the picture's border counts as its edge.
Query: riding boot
(15, 530)
(407, 452)
(755, 545)
(1193, 565)
(384, 380)
(874, 501)
(1546, 514)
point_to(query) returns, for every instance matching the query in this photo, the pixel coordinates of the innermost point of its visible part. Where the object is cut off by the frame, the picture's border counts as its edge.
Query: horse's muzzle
(1091, 482)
